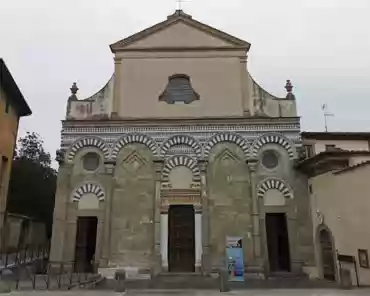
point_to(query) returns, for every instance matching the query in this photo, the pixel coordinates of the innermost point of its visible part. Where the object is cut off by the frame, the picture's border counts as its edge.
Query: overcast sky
(323, 46)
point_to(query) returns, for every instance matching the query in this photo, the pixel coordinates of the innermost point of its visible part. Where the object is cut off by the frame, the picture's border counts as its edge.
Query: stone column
(164, 238)
(158, 165)
(198, 237)
(109, 172)
(252, 163)
(117, 87)
(206, 267)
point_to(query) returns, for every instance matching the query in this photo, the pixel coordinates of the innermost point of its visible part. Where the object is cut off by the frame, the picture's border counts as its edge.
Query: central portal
(181, 244)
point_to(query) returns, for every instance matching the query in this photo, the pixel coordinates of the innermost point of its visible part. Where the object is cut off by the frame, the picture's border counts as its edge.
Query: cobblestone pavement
(199, 293)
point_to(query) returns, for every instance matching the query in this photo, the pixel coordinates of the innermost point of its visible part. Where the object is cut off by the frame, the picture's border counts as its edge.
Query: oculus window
(91, 161)
(270, 159)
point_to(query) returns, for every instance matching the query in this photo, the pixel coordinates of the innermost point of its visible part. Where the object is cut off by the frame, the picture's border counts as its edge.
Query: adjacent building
(12, 107)
(179, 150)
(338, 168)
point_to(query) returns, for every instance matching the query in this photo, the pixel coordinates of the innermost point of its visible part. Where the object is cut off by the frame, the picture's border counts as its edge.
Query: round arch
(181, 160)
(274, 138)
(226, 137)
(87, 142)
(86, 188)
(134, 138)
(274, 183)
(181, 139)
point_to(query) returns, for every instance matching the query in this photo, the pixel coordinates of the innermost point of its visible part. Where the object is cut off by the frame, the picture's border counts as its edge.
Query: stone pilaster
(62, 199)
(109, 172)
(244, 85)
(158, 165)
(206, 263)
(252, 164)
(117, 87)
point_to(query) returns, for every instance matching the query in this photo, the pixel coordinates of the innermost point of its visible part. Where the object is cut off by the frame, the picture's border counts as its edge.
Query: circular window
(91, 161)
(270, 159)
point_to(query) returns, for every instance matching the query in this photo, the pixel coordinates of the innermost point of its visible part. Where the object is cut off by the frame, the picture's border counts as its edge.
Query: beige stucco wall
(217, 80)
(344, 202)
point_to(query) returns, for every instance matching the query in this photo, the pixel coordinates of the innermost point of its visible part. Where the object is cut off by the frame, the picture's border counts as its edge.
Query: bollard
(120, 278)
(224, 280)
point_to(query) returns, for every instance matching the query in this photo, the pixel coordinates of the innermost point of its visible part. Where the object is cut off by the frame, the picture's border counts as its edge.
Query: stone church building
(179, 150)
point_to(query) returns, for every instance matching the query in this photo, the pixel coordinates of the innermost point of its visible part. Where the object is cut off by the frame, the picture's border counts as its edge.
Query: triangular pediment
(180, 31)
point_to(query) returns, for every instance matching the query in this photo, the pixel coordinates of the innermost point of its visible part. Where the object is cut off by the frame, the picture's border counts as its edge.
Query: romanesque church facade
(180, 149)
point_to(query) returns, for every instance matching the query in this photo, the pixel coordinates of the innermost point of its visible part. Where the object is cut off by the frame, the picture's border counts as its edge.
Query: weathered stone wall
(297, 208)
(229, 193)
(132, 210)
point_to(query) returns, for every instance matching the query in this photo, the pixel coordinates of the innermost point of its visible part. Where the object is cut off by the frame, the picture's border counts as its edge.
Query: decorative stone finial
(289, 89)
(289, 86)
(74, 88)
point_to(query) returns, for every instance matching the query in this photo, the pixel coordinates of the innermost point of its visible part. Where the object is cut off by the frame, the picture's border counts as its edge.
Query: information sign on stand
(234, 258)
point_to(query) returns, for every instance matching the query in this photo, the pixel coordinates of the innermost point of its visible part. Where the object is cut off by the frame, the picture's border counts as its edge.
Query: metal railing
(30, 268)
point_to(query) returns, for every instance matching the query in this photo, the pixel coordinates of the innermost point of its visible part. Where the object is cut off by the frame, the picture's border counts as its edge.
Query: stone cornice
(181, 121)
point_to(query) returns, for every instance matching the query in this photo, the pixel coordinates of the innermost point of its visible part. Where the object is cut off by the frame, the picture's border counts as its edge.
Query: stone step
(197, 281)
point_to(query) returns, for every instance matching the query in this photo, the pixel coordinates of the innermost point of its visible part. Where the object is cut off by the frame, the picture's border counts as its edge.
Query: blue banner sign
(234, 258)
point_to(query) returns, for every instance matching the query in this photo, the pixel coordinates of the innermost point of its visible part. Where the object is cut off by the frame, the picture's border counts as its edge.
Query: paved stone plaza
(291, 292)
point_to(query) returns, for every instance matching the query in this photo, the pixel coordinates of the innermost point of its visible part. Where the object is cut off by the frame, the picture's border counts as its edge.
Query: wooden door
(85, 243)
(327, 255)
(181, 239)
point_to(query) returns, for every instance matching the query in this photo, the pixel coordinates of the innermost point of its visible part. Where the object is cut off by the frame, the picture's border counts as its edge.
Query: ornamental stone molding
(88, 142)
(181, 140)
(226, 137)
(134, 138)
(274, 183)
(87, 188)
(181, 160)
(272, 138)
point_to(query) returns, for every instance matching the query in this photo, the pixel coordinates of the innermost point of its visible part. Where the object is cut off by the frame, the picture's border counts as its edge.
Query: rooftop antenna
(179, 4)
(327, 114)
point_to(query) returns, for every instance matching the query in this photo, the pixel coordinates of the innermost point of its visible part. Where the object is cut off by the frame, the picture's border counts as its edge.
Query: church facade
(179, 150)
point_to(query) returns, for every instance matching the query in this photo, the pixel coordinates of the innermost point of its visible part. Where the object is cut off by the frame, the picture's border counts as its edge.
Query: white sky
(323, 46)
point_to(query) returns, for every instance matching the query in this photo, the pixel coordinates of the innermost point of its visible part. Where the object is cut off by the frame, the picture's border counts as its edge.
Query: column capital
(197, 209)
(109, 166)
(117, 60)
(158, 166)
(243, 59)
(164, 209)
(252, 164)
(203, 164)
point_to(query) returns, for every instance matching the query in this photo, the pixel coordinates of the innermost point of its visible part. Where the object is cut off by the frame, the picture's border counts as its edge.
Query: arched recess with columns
(87, 142)
(132, 196)
(229, 194)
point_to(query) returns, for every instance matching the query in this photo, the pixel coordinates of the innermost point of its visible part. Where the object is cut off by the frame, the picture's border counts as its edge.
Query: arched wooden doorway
(327, 254)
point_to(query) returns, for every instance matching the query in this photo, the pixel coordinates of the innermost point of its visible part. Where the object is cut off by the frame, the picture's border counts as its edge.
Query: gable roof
(8, 84)
(180, 16)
